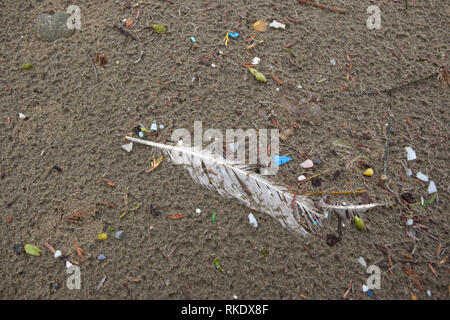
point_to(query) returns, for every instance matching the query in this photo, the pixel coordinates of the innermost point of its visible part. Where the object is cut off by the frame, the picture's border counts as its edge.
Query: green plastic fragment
(425, 203)
(217, 264)
(258, 75)
(144, 130)
(359, 223)
(27, 66)
(213, 217)
(111, 229)
(193, 40)
(159, 28)
(264, 252)
(33, 250)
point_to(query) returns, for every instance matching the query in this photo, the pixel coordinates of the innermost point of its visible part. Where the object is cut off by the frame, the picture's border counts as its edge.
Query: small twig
(140, 56)
(90, 60)
(322, 6)
(348, 290)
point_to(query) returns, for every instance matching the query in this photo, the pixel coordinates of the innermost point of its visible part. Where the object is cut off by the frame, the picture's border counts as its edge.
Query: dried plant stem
(322, 6)
(316, 175)
(336, 192)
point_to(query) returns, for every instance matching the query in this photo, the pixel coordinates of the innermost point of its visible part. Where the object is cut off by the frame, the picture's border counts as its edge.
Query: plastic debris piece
(193, 40)
(119, 235)
(167, 282)
(429, 292)
(432, 187)
(368, 172)
(362, 261)
(213, 217)
(217, 264)
(370, 293)
(333, 62)
(409, 222)
(300, 178)
(279, 160)
(27, 66)
(260, 26)
(256, 60)
(410, 154)
(252, 220)
(159, 29)
(58, 253)
(425, 203)
(143, 129)
(299, 86)
(359, 223)
(275, 24)
(307, 164)
(258, 75)
(154, 126)
(22, 116)
(409, 172)
(128, 147)
(198, 211)
(213, 65)
(233, 34)
(101, 257)
(68, 264)
(365, 288)
(161, 126)
(141, 134)
(102, 236)
(32, 249)
(264, 252)
(422, 177)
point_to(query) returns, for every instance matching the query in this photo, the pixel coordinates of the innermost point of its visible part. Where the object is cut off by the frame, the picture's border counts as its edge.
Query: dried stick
(322, 6)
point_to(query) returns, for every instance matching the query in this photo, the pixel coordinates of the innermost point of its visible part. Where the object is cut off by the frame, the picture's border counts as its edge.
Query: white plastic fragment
(300, 178)
(128, 147)
(58, 253)
(432, 187)
(256, 60)
(275, 24)
(409, 222)
(299, 86)
(141, 134)
(307, 164)
(362, 262)
(333, 62)
(365, 288)
(161, 126)
(235, 297)
(154, 127)
(409, 173)
(22, 116)
(410, 154)
(422, 177)
(429, 292)
(198, 211)
(213, 65)
(252, 220)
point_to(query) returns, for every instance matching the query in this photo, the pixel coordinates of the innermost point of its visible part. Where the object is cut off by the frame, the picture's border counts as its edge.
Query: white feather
(351, 209)
(234, 180)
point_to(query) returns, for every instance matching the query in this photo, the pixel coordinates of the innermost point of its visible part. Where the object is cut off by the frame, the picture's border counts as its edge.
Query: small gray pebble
(119, 234)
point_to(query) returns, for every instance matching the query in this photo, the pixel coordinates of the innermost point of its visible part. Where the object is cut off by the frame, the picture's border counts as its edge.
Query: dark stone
(316, 182)
(18, 249)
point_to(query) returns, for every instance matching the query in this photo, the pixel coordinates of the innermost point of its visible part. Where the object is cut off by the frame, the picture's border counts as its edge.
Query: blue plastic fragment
(119, 234)
(370, 293)
(233, 34)
(193, 40)
(101, 257)
(141, 134)
(279, 160)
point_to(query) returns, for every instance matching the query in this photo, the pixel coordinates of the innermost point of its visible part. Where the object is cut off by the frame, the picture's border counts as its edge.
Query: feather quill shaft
(351, 209)
(234, 180)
